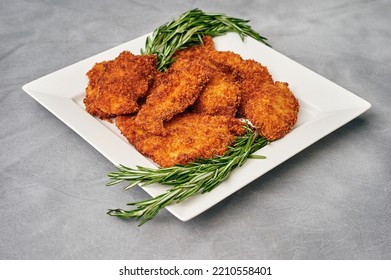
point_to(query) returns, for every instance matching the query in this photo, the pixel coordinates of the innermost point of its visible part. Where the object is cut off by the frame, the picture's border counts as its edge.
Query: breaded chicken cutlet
(172, 93)
(273, 110)
(115, 86)
(248, 74)
(221, 95)
(252, 76)
(188, 137)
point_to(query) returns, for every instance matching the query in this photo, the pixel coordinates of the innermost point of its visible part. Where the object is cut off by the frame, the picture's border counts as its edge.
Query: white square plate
(324, 107)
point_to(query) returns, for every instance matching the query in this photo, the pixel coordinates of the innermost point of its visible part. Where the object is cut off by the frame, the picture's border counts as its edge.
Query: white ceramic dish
(325, 107)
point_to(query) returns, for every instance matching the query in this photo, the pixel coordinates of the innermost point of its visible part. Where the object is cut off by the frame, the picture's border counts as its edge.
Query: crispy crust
(115, 86)
(197, 52)
(189, 137)
(252, 75)
(246, 75)
(273, 110)
(249, 74)
(172, 93)
(221, 95)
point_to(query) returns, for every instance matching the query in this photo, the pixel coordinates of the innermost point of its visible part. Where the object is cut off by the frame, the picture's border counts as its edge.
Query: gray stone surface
(331, 201)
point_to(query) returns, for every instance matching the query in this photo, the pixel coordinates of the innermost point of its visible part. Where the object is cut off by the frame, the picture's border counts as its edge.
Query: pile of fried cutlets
(194, 109)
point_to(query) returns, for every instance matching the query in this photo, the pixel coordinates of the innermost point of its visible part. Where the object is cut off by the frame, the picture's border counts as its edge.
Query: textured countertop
(331, 201)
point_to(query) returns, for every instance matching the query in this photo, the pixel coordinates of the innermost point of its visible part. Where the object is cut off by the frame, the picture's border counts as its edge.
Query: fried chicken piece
(249, 74)
(227, 61)
(216, 60)
(221, 95)
(246, 75)
(172, 93)
(273, 110)
(252, 75)
(115, 86)
(189, 137)
(198, 51)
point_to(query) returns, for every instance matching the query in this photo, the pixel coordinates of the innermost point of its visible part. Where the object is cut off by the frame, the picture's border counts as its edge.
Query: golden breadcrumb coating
(173, 92)
(115, 86)
(247, 74)
(198, 51)
(273, 110)
(189, 137)
(221, 95)
(252, 75)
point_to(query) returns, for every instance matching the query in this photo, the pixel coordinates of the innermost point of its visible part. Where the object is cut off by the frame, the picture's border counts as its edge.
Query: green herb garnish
(197, 177)
(188, 29)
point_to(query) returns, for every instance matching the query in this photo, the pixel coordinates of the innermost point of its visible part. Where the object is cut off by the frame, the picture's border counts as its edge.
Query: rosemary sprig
(197, 177)
(188, 29)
